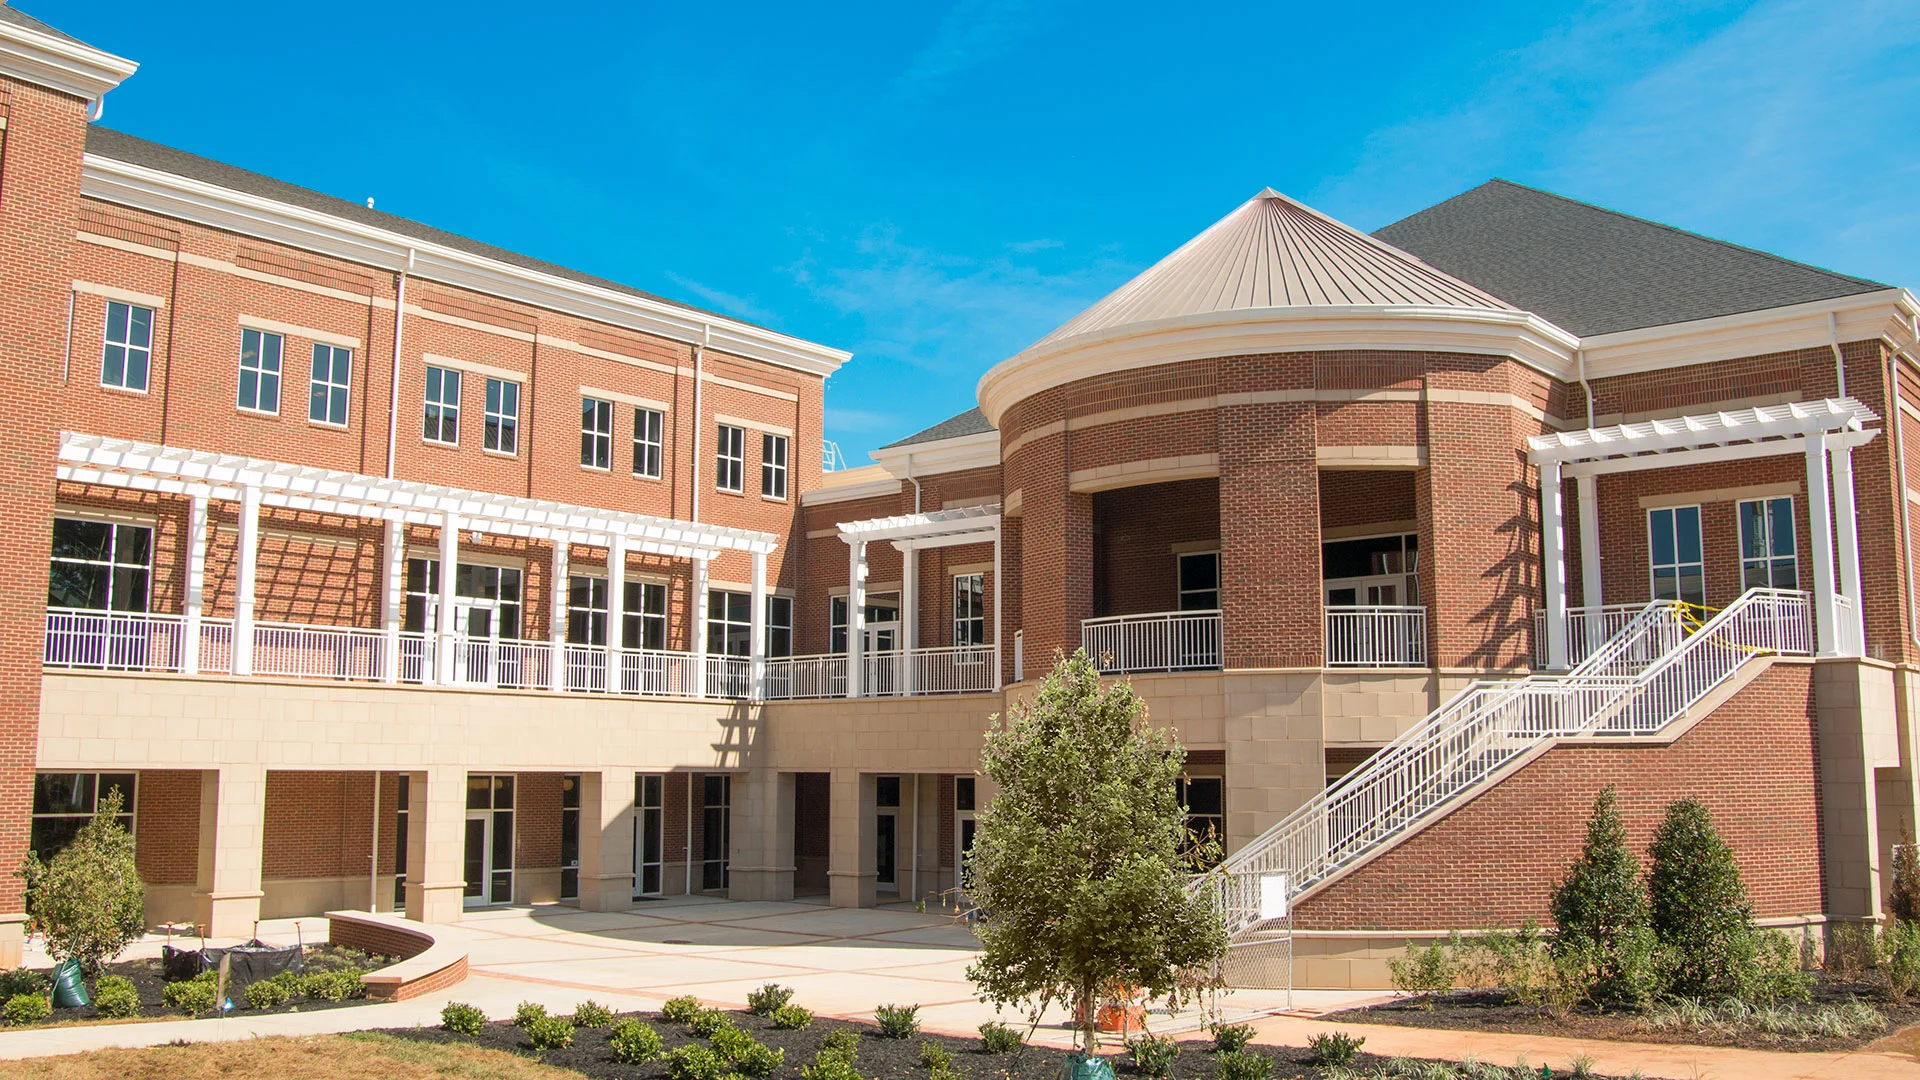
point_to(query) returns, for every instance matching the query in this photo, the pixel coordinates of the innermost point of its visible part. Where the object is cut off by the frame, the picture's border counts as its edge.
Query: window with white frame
(1199, 581)
(729, 622)
(647, 427)
(99, 565)
(63, 802)
(779, 626)
(773, 466)
(260, 371)
(1673, 548)
(586, 610)
(596, 433)
(730, 459)
(644, 619)
(443, 406)
(332, 376)
(969, 609)
(502, 418)
(127, 355)
(883, 611)
(1767, 559)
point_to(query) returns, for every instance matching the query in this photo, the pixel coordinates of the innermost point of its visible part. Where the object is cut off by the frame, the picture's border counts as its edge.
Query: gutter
(399, 319)
(699, 356)
(1898, 416)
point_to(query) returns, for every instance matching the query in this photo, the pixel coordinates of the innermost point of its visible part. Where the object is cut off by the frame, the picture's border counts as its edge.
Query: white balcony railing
(1376, 636)
(1162, 641)
(134, 641)
(1590, 627)
(947, 669)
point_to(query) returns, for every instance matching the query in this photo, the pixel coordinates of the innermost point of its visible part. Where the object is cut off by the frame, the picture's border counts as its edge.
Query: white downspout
(1586, 388)
(1898, 417)
(393, 409)
(373, 872)
(1839, 363)
(699, 356)
(915, 482)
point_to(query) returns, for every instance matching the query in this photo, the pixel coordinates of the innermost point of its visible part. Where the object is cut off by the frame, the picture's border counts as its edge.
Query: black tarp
(248, 964)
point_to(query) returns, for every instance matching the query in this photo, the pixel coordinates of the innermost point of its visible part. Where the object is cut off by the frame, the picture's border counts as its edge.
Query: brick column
(233, 800)
(853, 840)
(1272, 606)
(436, 844)
(606, 841)
(762, 860)
(1479, 520)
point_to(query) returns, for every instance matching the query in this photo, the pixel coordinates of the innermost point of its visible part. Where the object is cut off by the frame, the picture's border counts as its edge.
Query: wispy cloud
(972, 32)
(862, 421)
(1028, 247)
(726, 302)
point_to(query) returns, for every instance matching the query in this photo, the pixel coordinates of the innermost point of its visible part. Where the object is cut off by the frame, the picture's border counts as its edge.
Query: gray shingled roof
(133, 150)
(11, 14)
(1594, 271)
(971, 422)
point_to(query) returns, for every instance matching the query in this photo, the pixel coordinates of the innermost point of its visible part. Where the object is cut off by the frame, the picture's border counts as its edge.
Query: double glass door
(486, 613)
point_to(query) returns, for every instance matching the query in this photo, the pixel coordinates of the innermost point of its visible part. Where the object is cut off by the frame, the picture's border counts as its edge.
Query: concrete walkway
(843, 963)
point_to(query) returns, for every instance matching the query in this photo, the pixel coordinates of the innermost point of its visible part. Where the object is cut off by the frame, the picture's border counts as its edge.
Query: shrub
(730, 1041)
(1775, 974)
(336, 984)
(695, 1063)
(549, 1032)
(1849, 952)
(23, 1009)
(681, 1009)
(1229, 1038)
(527, 1012)
(461, 1018)
(830, 1067)
(769, 999)
(267, 994)
(1241, 1065)
(1334, 1048)
(998, 1038)
(1153, 1055)
(1423, 972)
(193, 996)
(21, 981)
(88, 899)
(591, 1014)
(935, 1057)
(634, 1043)
(707, 1022)
(1904, 902)
(791, 1018)
(898, 1021)
(1899, 959)
(1600, 909)
(115, 997)
(758, 1059)
(843, 1043)
(1698, 905)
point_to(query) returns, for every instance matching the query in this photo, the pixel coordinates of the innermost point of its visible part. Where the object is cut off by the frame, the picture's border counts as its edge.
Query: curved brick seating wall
(426, 963)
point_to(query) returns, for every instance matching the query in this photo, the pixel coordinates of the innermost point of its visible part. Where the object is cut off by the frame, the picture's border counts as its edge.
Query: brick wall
(317, 825)
(167, 826)
(1354, 497)
(1135, 530)
(536, 821)
(1496, 860)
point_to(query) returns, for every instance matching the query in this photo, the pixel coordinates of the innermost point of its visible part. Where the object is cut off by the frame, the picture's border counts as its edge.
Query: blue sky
(934, 186)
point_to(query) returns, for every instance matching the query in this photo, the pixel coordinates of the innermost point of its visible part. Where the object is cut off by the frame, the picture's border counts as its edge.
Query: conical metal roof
(1274, 252)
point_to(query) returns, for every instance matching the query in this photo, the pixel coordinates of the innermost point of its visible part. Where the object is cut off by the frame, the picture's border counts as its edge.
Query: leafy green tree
(1698, 906)
(1600, 911)
(87, 899)
(1078, 864)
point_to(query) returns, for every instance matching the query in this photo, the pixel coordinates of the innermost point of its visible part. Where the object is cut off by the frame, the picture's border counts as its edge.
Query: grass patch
(359, 1056)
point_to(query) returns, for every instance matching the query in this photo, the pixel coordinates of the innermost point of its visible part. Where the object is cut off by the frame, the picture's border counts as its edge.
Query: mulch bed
(147, 980)
(1495, 1011)
(879, 1058)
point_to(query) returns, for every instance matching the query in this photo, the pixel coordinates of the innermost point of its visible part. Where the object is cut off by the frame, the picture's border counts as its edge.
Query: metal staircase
(1639, 680)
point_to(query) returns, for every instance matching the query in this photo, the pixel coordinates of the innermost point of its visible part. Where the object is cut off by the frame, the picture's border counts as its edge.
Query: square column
(557, 617)
(233, 802)
(909, 612)
(1585, 491)
(393, 595)
(699, 629)
(762, 860)
(1820, 526)
(446, 653)
(1847, 547)
(617, 614)
(606, 841)
(1553, 553)
(757, 630)
(853, 840)
(244, 580)
(856, 613)
(196, 585)
(436, 844)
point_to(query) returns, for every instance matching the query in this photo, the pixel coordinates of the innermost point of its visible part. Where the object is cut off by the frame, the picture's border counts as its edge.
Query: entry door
(876, 640)
(479, 857)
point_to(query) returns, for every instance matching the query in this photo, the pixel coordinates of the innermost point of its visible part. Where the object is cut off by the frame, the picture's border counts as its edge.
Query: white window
(647, 425)
(443, 406)
(970, 609)
(332, 375)
(1673, 547)
(128, 353)
(779, 626)
(596, 433)
(260, 371)
(644, 619)
(99, 566)
(837, 624)
(1767, 545)
(773, 466)
(730, 462)
(1199, 574)
(502, 417)
(729, 622)
(586, 610)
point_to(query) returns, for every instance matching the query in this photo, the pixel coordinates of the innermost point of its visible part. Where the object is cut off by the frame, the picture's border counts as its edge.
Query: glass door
(649, 835)
(488, 855)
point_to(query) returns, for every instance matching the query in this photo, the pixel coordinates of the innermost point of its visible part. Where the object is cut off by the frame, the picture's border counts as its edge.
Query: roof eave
(1863, 316)
(980, 450)
(68, 66)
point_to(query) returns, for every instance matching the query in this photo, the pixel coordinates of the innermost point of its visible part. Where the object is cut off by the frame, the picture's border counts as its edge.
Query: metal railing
(943, 669)
(1376, 636)
(294, 651)
(1587, 629)
(1463, 744)
(819, 676)
(133, 641)
(1161, 641)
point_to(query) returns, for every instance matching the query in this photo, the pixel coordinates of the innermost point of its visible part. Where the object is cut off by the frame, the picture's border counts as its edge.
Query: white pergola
(1825, 431)
(912, 534)
(202, 476)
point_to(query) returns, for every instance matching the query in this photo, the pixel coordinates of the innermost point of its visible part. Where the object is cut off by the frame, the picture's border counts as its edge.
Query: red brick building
(383, 568)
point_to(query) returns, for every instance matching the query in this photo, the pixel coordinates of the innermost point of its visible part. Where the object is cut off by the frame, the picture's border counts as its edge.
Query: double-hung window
(99, 566)
(730, 459)
(596, 433)
(586, 610)
(970, 609)
(128, 353)
(647, 424)
(773, 466)
(1766, 545)
(1199, 574)
(729, 622)
(332, 376)
(502, 431)
(644, 619)
(260, 371)
(443, 406)
(1673, 547)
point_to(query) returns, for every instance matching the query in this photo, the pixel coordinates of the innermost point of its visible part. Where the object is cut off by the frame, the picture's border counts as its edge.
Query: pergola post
(856, 611)
(1590, 589)
(196, 585)
(244, 580)
(393, 596)
(909, 612)
(1820, 526)
(1553, 552)
(1847, 545)
(699, 630)
(557, 618)
(757, 621)
(617, 613)
(446, 624)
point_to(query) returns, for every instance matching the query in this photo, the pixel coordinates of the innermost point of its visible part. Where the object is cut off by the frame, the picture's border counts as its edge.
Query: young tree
(1078, 864)
(87, 899)
(1698, 905)
(1600, 910)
